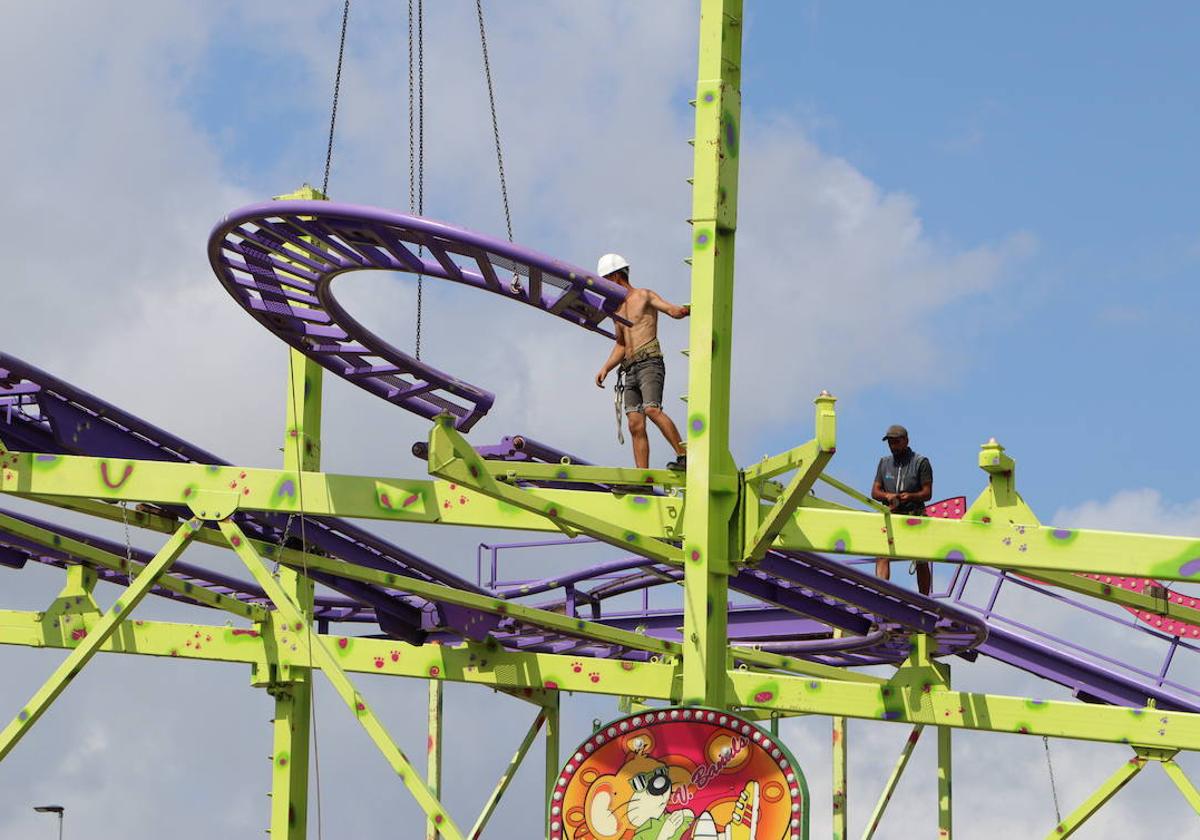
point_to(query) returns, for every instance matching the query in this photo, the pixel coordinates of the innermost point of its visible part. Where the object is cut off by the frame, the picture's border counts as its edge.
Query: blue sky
(1075, 122)
(972, 221)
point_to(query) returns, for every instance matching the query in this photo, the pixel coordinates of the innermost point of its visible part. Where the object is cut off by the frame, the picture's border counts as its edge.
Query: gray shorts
(644, 384)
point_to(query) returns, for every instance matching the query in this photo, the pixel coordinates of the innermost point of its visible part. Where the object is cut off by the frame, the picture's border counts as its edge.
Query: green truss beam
(451, 457)
(1109, 788)
(325, 494)
(841, 818)
(889, 787)
(310, 643)
(945, 778)
(1175, 774)
(506, 778)
(810, 460)
(98, 557)
(567, 625)
(94, 640)
(922, 701)
(1030, 547)
(509, 472)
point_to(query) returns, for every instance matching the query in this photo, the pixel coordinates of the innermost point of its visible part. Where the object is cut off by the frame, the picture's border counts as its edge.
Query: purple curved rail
(279, 259)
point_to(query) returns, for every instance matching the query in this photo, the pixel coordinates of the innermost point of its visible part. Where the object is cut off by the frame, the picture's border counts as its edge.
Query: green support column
(711, 540)
(841, 822)
(293, 699)
(553, 722)
(945, 768)
(309, 645)
(433, 775)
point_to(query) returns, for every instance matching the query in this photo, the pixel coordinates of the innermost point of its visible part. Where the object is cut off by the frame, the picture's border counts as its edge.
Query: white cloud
(113, 184)
(1143, 510)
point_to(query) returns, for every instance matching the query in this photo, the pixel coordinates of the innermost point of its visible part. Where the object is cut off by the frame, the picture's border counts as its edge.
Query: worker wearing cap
(903, 482)
(642, 371)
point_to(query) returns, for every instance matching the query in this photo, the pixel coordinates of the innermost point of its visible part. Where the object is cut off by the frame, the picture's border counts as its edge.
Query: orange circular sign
(680, 774)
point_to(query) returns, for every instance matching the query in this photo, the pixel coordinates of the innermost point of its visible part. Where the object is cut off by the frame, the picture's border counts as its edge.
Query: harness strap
(619, 403)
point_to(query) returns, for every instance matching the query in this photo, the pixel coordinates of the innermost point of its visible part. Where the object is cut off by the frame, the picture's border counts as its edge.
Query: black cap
(895, 431)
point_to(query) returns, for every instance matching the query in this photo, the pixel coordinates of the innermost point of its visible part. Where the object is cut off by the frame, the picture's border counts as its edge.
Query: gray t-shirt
(905, 473)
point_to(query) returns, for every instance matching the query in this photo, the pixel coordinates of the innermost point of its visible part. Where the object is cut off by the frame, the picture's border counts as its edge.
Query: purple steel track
(279, 259)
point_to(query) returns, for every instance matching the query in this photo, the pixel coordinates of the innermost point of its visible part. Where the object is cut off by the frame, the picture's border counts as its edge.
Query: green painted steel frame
(94, 638)
(889, 787)
(986, 536)
(731, 516)
(711, 522)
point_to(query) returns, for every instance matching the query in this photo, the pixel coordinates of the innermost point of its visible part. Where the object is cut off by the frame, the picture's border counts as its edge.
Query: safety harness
(650, 350)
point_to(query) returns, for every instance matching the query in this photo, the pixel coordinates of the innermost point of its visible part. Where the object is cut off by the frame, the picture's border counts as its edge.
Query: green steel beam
(1107, 790)
(325, 494)
(921, 701)
(311, 643)
(94, 640)
(995, 543)
(557, 622)
(289, 783)
(91, 554)
(1175, 774)
(433, 763)
(852, 493)
(553, 729)
(506, 778)
(711, 519)
(889, 787)
(510, 471)
(945, 777)
(451, 457)
(841, 819)
(775, 465)
(809, 464)
(479, 663)
(64, 630)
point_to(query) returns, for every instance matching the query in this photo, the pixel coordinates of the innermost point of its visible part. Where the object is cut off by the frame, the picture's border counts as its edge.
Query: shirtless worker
(641, 361)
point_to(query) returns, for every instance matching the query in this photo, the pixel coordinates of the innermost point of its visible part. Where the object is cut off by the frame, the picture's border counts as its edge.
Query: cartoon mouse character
(632, 803)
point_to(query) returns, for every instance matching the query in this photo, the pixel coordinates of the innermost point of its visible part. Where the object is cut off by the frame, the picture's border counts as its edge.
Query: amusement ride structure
(775, 614)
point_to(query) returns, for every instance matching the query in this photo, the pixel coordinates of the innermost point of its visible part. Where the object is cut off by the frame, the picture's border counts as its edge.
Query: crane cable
(515, 286)
(487, 73)
(416, 141)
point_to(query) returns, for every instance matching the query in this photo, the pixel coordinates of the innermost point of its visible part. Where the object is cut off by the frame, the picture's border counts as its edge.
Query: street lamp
(52, 809)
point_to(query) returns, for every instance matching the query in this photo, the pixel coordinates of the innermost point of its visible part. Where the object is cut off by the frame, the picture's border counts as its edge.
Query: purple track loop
(279, 259)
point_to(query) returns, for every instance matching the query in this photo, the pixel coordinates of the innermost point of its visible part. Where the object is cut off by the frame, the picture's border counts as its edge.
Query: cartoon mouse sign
(680, 774)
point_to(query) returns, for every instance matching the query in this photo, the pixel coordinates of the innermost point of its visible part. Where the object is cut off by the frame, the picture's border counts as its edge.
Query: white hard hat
(610, 263)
